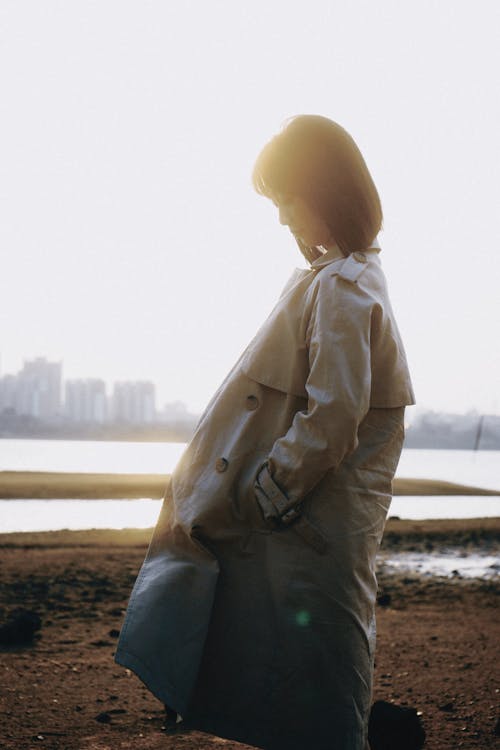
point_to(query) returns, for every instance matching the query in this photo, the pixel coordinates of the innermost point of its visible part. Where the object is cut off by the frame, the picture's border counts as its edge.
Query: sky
(132, 244)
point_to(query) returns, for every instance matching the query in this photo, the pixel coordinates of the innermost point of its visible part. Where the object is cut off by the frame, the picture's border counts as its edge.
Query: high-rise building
(134, 402)
(8, 393)
(35, 391)
(85, 400)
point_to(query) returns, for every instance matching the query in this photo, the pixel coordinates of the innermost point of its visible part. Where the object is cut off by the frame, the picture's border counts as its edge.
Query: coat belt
(279, 511)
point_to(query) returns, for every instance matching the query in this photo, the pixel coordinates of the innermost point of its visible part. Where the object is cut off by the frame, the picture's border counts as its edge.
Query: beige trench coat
(254, 628)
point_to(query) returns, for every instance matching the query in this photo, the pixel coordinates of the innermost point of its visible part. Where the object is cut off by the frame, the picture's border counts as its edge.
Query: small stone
(103, 718)
(383, 600)
(114, 633)
(450, 706)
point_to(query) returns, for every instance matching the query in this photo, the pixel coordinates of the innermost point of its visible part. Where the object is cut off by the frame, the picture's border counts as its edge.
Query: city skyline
(40, 390)
(172, 407)
(38, 402)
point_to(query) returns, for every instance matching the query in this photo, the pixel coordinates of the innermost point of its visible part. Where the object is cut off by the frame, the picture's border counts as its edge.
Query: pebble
(103, 718)
(384, 600)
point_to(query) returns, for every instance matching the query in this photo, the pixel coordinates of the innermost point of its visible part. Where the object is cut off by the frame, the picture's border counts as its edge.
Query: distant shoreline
(33, 485)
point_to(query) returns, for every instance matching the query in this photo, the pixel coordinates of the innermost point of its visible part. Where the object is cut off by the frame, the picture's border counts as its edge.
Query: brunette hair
(316, 159)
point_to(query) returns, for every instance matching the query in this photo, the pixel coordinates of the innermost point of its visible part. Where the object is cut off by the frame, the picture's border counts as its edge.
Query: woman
(253, 614)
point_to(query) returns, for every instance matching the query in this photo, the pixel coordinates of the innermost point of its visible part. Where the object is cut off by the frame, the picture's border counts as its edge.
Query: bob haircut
(316, 159)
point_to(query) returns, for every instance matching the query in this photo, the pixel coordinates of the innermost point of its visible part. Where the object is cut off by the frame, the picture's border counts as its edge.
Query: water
(481, 469)
(450, 564)
(89, 456)
(452, 506)
(47, 515)
(477, 468)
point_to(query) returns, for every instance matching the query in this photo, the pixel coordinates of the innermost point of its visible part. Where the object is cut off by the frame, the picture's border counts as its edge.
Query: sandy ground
(51, 485)
(438, 644)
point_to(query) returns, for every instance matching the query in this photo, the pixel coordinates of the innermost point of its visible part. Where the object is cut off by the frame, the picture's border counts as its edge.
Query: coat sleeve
(338, 389)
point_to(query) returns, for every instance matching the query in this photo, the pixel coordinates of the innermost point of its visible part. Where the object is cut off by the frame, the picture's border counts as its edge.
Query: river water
(481, 469)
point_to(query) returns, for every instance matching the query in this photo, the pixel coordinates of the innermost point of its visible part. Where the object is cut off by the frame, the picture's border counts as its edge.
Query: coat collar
(334, 253)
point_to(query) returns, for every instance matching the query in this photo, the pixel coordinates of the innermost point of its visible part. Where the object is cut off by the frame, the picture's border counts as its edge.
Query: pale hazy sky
(133, 246)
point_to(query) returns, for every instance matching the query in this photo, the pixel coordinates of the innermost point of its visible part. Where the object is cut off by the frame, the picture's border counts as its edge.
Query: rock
(447, 706)
(114, 633)
(384, 600)
(20, 628)
(103, 718)
(393, 727)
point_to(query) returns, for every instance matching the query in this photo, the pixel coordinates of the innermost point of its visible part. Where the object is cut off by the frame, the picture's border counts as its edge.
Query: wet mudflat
(438, 644)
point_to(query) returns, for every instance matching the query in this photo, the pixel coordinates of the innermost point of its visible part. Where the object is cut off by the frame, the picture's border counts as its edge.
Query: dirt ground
(438, 645)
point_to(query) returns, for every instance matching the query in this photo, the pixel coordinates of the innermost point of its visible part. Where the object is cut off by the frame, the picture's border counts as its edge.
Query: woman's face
(303, 221)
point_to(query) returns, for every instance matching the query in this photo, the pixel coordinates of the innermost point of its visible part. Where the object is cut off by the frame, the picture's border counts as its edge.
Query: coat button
(359, 256)
(252, 403)
(221, 465)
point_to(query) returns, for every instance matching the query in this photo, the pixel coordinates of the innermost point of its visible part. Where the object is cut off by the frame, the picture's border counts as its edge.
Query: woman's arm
(338, 388)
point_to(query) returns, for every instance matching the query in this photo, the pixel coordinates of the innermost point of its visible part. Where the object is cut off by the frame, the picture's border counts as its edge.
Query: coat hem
(165, 695)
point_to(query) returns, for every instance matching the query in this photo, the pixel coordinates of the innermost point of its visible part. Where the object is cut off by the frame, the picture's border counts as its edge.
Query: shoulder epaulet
(352, 268)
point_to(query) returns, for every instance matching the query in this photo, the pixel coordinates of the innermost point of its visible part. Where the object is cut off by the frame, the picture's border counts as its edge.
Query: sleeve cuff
(274, 503)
